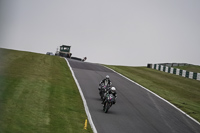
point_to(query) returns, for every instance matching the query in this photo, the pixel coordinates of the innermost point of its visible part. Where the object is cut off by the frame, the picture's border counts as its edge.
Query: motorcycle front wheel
(106, 107)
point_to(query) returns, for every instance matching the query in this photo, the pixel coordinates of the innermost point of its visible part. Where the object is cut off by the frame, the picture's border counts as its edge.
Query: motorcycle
(110, 99)
(102, 90)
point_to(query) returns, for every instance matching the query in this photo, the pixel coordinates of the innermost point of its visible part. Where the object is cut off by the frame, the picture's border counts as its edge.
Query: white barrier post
(177, 71)
(172, 69)
(161, 68)
(184, 73)
(198, 76)
(166, 69)
(191, 75)
(157, 66)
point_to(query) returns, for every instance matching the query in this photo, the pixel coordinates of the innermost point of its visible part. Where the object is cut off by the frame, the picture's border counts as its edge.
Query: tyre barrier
(176, 71)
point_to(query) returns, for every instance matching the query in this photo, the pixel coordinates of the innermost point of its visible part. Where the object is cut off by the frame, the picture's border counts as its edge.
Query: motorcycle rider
(106, 81)
(111, 90)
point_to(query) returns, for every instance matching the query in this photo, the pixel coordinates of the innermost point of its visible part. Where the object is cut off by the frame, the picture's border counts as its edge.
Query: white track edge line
(156, 95)
(83, 98)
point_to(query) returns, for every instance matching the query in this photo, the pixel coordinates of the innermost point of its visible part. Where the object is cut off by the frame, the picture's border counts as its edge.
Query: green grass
(191, 68)
(180, 91)
(38, 95)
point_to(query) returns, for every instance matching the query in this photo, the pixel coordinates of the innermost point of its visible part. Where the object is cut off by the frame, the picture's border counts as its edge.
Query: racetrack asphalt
(136, 110)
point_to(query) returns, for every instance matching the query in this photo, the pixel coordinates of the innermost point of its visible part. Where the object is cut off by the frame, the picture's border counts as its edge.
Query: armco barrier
(176, 71)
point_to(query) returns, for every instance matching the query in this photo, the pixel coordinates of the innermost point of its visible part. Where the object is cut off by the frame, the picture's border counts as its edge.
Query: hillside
(38, 94)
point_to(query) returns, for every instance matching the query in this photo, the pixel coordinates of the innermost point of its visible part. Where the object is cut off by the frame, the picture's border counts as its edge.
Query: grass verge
(38, 94)
(180, 91)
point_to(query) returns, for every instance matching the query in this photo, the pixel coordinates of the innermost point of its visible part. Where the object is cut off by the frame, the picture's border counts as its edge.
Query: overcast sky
(117, 32)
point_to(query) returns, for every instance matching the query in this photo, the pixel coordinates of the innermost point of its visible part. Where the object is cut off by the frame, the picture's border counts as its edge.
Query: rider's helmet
(113, 90)
(107, 77)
